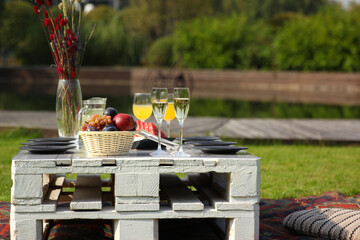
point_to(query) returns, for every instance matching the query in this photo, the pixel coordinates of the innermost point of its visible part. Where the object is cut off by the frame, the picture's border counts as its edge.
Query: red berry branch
(63, 36)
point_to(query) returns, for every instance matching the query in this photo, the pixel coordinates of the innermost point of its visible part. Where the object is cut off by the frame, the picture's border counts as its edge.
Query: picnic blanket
(272, 213)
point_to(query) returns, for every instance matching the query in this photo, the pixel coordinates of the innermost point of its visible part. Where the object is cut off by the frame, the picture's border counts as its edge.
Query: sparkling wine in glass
(159, 98)
(142, 107)
(170, 113)
(181, 106)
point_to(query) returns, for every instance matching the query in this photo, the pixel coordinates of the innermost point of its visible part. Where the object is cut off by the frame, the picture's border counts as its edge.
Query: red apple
(124, 122)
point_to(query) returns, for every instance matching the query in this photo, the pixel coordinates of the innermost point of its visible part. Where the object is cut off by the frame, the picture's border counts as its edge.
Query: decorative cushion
(4, 220)
(81, 229)
(331, 223)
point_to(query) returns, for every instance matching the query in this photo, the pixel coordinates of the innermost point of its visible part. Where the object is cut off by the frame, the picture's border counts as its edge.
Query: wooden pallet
(135, 192)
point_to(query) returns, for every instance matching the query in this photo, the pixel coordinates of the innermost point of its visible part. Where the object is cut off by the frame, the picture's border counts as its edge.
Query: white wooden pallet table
(136, 191)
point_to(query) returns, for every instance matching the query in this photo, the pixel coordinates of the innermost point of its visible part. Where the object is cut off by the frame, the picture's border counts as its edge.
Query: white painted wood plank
(137, 200)
(244, 227)
(215, 199)
(221, 167)
(126, 204)
(86, 162)
(245, 184)
(49, 204)
(86, 198)
(136, 229)
(138, 158)
(64, 159)
(34, 160)
(51, 200)
(180, 197)
(27, 201)
(28, 186)
(109, 212)
(29, 229)
(137, 184)
(139, 207)
(87, 194)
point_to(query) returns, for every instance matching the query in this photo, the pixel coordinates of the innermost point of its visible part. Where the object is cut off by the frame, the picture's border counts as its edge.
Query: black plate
(51, 139)
(47, 143)
(46, 149)
(221, 149)
(210, 143)
(200, 138)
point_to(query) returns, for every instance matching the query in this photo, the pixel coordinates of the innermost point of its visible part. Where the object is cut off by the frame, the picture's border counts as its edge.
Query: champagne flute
(159, 98)
(142, 107)
(170, 113)
(181, 105)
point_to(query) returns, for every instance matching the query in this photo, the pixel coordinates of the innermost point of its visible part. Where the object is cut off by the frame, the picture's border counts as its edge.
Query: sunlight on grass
(302, 170)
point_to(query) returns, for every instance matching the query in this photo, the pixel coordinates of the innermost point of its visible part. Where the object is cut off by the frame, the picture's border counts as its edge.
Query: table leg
(136, 229)
(25, 229)
(244, 228)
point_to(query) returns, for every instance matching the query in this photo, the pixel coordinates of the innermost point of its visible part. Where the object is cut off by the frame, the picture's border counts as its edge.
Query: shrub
(21, 34)
(157, 18)
(223, 42)
(111, 44)
(327, 41)
(100, 12)
(279, 19)
(161, 52)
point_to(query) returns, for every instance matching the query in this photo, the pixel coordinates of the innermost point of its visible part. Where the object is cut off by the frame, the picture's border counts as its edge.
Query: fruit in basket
(124, 122)
(110, 111)
(97, 121)
(110, 128)
(91, 128)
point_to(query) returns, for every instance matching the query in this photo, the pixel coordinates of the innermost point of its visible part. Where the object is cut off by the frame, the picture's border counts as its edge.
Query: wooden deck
(347, 131)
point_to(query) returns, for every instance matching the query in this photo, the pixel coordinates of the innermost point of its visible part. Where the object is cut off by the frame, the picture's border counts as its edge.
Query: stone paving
(265, 129)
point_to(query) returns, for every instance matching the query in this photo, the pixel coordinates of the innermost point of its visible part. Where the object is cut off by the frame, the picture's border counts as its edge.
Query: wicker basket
(108, 143)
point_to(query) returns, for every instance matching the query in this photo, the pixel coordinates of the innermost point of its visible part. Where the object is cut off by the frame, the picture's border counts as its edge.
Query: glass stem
(181, 136)
(168, 128)
(159, 135)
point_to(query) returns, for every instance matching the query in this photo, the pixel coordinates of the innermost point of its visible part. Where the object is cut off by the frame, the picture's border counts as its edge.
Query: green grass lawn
(304, 170)
(286, 170)
(9, 142)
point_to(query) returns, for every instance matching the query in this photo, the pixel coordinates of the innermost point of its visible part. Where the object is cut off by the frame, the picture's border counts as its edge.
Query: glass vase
(68, 105)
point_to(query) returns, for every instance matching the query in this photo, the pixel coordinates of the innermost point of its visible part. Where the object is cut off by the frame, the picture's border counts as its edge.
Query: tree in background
(239, 34)
(268, 8)
(21, 35)
(327, 41)
(2, 50)
(111, 44)
(156, 18)
(223, 42)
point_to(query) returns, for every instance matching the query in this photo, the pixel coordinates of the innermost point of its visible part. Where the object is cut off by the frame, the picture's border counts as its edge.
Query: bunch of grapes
(98, 121)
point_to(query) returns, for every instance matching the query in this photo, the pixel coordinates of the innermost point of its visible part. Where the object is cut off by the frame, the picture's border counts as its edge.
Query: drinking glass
(170, 113)
(142, 107)
(181, 105)
(159, 98)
